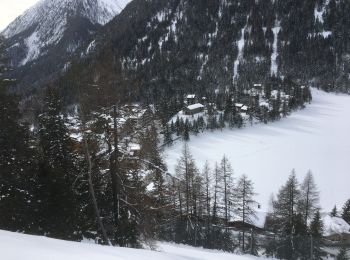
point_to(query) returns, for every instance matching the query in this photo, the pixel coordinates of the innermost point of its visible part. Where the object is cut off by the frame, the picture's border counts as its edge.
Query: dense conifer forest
(101, 176)
(82, 141)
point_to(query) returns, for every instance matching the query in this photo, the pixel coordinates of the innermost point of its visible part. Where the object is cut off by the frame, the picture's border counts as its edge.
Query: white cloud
(10, 9)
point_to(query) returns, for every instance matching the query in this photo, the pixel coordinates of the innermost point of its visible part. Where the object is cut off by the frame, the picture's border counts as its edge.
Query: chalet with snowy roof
(284, 96)
(140, 116)
(244, 109)
(240, 107)
(257, 223)
(253, 92)
(336, 230)
(134, 149)
(275, 94)
(193, 109)
(264, 104)
(256, 90)
(243, 226)
(191, 99)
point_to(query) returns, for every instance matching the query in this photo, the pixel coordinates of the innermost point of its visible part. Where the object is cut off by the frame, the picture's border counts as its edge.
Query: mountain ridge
(177, 45)
(44, 39)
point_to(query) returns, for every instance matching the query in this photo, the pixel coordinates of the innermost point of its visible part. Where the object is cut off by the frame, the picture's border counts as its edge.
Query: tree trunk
(92, 193)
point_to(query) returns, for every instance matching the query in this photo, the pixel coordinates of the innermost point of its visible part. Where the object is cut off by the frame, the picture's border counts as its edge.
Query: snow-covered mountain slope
(45, 24)
(14, 246)
(97, 11)
(315, 138)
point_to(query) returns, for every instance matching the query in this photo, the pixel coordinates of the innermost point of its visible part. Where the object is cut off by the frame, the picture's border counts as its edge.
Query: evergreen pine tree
(346, 211)
(207, 183)
(58, 171)
(130, 208)
(253, 244)
(238, 119)
(186, 171)
(343, 253)
(17, 162)
(226, 173)
(168, 140)
(286, 217)
(157, 170)
(217, 187)
(316, 232)
(221, 121)
(245, 203)
(334, 212)
(186, 131)
(309, 197)
(299, 239)
(191, 192)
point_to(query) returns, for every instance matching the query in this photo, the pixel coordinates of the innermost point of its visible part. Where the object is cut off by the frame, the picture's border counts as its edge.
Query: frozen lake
(315, 138)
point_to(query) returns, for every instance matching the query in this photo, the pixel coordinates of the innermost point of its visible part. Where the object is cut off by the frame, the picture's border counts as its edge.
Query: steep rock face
(47, 35)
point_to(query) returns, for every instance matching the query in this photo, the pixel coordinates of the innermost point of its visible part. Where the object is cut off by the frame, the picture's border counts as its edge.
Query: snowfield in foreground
(316, 138)
(14, 246)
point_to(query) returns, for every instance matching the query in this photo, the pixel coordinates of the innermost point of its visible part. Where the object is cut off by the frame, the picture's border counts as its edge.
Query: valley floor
(316, 138)
(14, 246)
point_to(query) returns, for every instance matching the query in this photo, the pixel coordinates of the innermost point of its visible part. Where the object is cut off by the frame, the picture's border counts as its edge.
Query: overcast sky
(10, 9)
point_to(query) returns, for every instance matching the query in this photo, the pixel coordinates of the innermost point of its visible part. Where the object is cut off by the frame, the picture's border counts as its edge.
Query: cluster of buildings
(257, 96)
(194, 104)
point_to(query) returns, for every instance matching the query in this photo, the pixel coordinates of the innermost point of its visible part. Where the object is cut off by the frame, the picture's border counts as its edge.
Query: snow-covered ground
(316, 138)
(14, 246)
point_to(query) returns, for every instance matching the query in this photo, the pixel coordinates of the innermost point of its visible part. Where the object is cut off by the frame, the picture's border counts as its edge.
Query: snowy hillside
(315, 138)
(335, 225)
(45, 23)
(14, 246)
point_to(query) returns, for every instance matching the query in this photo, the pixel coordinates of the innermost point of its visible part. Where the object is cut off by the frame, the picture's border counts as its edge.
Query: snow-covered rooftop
(335, 225)
(260, 219)
(134, 147)
(195, 106)
(264, 104)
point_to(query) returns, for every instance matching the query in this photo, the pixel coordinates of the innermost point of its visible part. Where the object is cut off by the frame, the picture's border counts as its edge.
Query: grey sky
(10, 9)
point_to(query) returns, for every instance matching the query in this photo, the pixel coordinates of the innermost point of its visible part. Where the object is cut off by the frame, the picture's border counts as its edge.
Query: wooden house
(191, 99)
(193, 109)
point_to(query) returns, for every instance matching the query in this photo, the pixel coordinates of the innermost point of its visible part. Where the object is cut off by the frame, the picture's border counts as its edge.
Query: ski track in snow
(240, 44)
(316, 138)
(274, 65)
